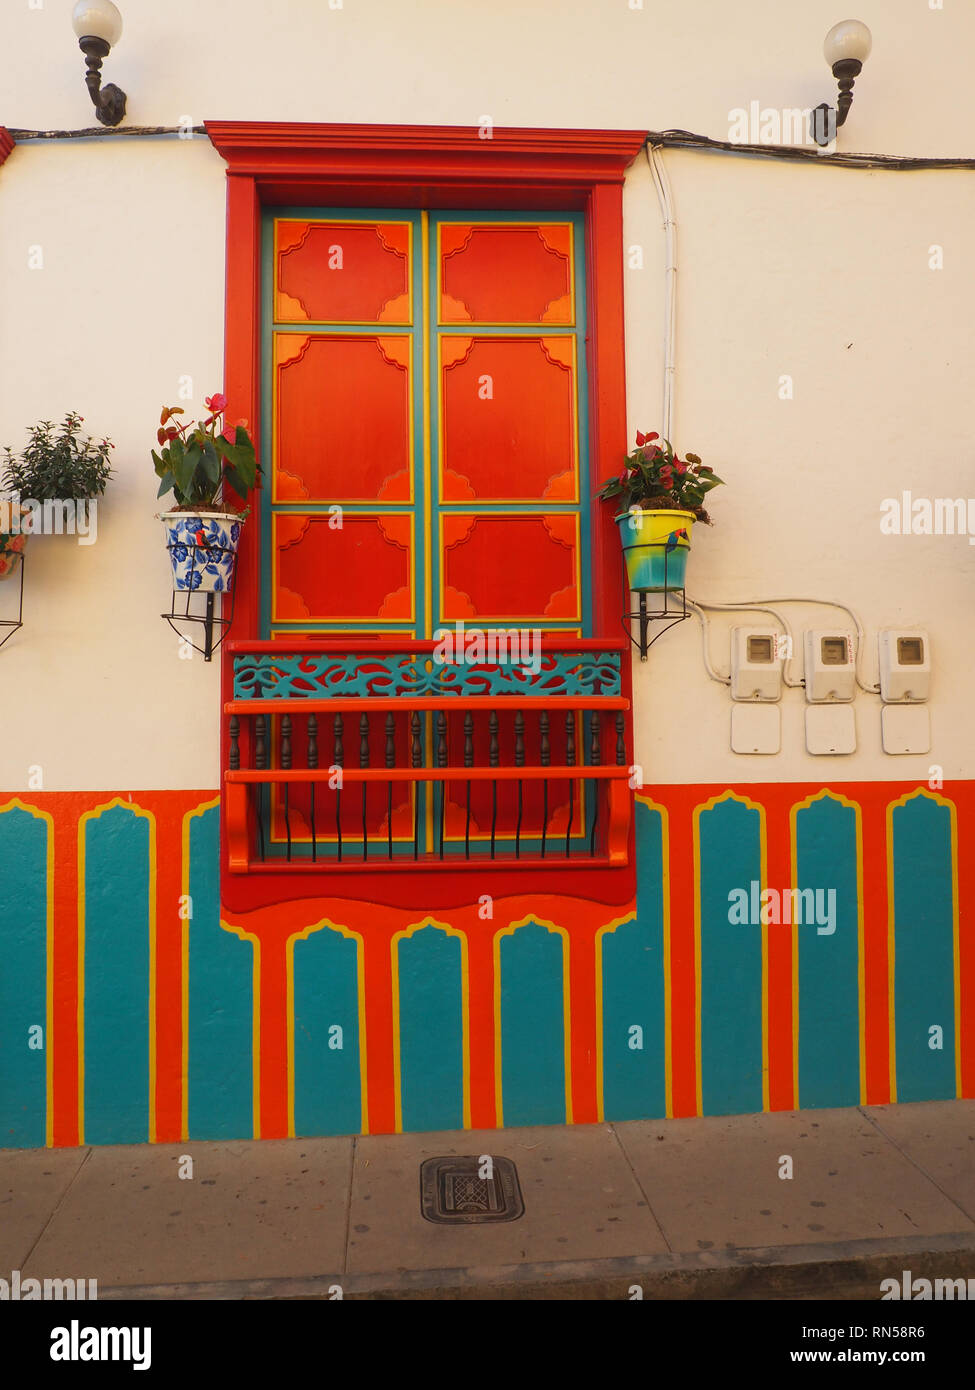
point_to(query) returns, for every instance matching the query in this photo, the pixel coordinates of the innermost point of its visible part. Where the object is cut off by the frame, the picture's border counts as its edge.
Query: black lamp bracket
(109, 101)
(824, 121)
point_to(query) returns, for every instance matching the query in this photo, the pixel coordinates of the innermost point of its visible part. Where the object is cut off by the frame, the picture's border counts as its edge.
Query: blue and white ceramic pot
(202, 548)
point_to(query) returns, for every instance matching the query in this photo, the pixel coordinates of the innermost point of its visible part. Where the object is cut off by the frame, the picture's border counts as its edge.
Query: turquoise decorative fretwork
(311, 676)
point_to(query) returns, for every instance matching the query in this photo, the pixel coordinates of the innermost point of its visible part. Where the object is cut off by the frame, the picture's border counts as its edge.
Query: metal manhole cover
(468, 1189)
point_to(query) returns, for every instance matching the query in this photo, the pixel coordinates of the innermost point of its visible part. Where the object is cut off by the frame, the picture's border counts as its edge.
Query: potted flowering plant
(197, 461)
(662, 496)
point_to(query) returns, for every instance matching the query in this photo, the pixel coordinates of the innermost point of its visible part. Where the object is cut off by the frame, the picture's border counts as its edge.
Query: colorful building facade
(332, 882)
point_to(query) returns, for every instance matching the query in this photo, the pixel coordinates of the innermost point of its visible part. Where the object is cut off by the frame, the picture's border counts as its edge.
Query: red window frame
(284, 164)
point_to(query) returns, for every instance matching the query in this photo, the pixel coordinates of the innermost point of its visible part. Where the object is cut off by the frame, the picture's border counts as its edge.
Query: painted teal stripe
(924, 950)
(116, 976)
(731, 963)
(532, 1027)
(328, 1098)
(431, 1030)
(221, 1000)
(634, 1077)
(828, 962)
(23, 980)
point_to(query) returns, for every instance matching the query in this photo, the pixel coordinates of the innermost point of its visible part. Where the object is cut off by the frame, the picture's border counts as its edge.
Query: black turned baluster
(620, 740)
(260, 762)
(286, 767)
(493, 761)
(594, 758)
(416, 757)
(519, 762)
(364, 762)
(313, 763)
(468, 762)
(546, 758)
(390, 762)
(338, 761)
(234, 743)
(442, 762)
(570, 761)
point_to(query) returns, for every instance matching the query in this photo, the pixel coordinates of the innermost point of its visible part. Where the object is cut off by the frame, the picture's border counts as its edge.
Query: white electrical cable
(757, 608)
(658, 173)
(814, 602)
(705, 644)
(661, 182)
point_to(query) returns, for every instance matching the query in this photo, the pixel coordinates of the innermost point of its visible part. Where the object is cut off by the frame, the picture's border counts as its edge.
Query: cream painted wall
(781, 267)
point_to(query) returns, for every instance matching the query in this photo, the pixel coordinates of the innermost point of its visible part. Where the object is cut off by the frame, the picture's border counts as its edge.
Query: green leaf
(168, 482)
(211, 462)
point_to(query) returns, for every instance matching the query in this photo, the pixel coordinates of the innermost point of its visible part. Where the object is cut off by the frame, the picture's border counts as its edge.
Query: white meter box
(756, 666)
(830, 665)
(905, 665)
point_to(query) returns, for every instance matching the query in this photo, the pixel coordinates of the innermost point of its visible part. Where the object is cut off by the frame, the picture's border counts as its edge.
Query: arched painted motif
(923, 947)
(633, 982)
(326, 1033)
(25, 1041)
(531, 1068)
(828, 932)
(729, 861)
(220, 999)
(116, 878)
(429, 989)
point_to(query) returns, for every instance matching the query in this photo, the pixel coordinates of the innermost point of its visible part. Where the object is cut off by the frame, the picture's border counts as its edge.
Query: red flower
(681, 467)
(652, 453)
(217, 403)
(230, 433)
(164, 436)
(642, 439)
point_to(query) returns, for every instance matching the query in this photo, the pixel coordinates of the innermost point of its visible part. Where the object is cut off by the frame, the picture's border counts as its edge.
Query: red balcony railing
(381, 753)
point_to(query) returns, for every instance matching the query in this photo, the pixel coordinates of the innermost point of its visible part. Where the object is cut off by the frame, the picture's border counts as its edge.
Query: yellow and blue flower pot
(654, 550)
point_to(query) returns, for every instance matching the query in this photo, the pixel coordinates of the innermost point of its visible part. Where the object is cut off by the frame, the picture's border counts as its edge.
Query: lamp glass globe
(848, 39)
(97, 19)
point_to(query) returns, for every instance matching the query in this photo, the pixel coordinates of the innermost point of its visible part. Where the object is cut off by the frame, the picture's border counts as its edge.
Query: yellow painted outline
(427, 485)
(94, 814)
(575, 500)
(344, 222)
(350, 935)
(404, 935)
(374, 515)
(892, 806)
(709, 805)
(15, 804)
(521, 619)
(510, 930)
(184, 955)
(504, 226)
(828, 794)
(276, 368)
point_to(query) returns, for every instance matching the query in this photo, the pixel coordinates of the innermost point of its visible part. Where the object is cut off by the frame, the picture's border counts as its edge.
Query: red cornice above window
(6, 143)
(382, 161)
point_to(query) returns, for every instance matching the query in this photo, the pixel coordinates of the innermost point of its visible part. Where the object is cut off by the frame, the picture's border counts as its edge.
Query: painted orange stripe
(781, 944)
(582, 1020)
(64, 1041)
(169, 976)
(682, 955)
(875, 907)
(480, 947)
(377, 966)
(965, 802)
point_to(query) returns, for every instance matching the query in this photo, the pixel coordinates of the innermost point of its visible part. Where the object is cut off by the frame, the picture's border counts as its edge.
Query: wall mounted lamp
(846, 49)
(98, 25)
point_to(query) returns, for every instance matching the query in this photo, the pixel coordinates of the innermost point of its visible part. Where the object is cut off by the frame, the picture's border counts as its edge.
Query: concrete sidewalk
(683, 1208)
